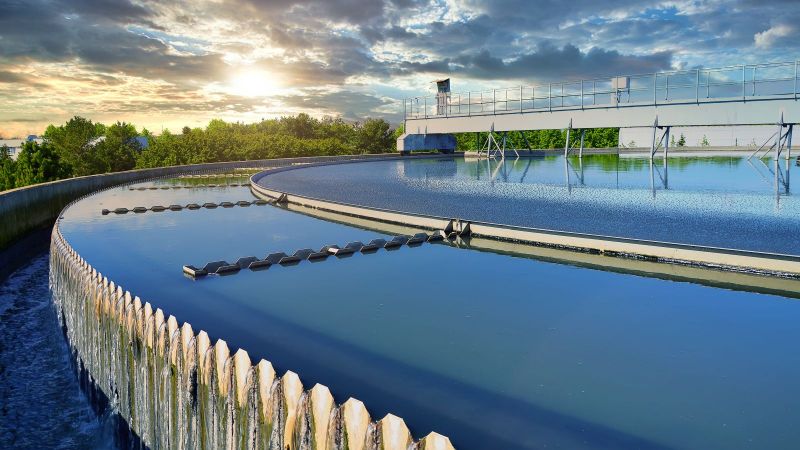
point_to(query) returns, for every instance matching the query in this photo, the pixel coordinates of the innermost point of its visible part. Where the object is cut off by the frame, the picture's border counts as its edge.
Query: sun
(254, 83)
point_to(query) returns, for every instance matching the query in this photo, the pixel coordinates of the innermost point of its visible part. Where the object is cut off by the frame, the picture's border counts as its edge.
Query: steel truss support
(566, 144)
(780, 141)
(492, 147)
(658, 141)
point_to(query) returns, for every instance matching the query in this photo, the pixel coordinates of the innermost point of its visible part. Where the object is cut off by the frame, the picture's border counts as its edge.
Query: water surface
(719, 201)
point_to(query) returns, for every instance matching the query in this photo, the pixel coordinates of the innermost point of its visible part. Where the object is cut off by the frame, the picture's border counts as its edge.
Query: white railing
(742, 82)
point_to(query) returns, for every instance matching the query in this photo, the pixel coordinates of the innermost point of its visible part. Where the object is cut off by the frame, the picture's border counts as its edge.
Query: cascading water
(175, 390)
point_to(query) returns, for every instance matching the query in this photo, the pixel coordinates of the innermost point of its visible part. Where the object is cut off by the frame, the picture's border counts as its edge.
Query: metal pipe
(666, 147)
(583, 134)
(550, 97)
(795, 80)
(494, 101)
(789, 145)
(581, 94)
(520, 99)
(469, 103)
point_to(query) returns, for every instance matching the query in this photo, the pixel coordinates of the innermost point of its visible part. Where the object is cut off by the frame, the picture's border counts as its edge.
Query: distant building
(141, 140)
(15, 145)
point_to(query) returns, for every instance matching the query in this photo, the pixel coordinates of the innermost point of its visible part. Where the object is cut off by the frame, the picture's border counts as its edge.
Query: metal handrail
(693, 85)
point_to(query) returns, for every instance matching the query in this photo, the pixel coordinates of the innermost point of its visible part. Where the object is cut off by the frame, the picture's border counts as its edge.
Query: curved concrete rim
(774, 264)
(236, 372)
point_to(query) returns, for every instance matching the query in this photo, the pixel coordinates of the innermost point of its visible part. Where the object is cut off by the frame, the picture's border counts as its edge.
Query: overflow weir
(174, 388)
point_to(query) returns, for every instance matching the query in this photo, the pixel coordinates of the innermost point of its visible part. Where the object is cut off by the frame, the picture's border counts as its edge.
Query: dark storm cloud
(547, 63)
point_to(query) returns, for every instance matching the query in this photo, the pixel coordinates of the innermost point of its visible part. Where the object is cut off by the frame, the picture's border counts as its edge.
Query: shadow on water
(41, 401)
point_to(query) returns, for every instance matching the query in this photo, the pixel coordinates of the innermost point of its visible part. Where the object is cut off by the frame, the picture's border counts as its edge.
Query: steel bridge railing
(742, 82)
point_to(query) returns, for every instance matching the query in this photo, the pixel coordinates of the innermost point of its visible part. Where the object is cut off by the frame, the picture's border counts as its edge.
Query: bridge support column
(653, 143)
(566, 145)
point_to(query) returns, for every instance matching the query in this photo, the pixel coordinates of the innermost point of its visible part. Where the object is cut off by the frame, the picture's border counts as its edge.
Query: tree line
(81, 147)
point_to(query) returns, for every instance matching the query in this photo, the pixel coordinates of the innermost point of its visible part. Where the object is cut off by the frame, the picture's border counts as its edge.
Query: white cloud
(768, 38)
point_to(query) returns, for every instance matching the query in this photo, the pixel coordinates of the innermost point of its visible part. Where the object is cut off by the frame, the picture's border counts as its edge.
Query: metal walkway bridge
(747, 94)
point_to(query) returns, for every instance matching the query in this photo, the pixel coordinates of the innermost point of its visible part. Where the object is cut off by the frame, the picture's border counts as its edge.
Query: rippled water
(41, 405)
(491, 350)
(716, 201)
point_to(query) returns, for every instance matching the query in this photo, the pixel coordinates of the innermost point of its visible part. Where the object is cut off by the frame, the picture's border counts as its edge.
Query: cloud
(772, 36)
(165, 61)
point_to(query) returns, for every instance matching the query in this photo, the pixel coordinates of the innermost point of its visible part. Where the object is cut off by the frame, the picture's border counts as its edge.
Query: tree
(117, 152)
(72, 143)
(8, 169)
(374, 136)
(672, 140)
(38, 163)
(704, 141)
(682, 141)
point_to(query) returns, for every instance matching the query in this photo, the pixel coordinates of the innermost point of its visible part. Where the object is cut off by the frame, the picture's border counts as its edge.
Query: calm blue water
(491, 350)
(715, 201)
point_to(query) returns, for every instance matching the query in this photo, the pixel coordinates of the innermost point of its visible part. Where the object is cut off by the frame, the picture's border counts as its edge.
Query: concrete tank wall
(176, 389)
(171, 386)
(25, 209)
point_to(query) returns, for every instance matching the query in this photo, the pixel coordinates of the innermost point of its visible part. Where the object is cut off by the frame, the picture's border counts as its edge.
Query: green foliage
(8, 169)
(38, 163)
(117, 152)
(81, 147)
(72, 143)
(301, 135)
(682, 141)
(704, 142)
(542, 139)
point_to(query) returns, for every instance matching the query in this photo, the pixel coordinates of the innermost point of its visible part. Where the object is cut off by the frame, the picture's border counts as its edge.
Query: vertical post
(405, 115)
(520, 99)
(566, 145)
(744, 77)
(666, 146)
(795, 80)
(594, 92)
(789, 144)
(708, 83)
(562, 95)
(666, 91)
(754, 80)
(469, 103)
(583, 134)
(550, 97)
(426, 107)
(494, 101)
(581, 94)
(697, 88)
(778, 139)
(655, 88)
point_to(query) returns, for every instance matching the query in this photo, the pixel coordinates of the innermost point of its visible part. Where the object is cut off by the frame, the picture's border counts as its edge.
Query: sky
(168, 64)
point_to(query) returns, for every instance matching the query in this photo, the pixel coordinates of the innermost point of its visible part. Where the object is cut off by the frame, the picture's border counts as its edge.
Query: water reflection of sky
(491, 350)
(716, 201)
